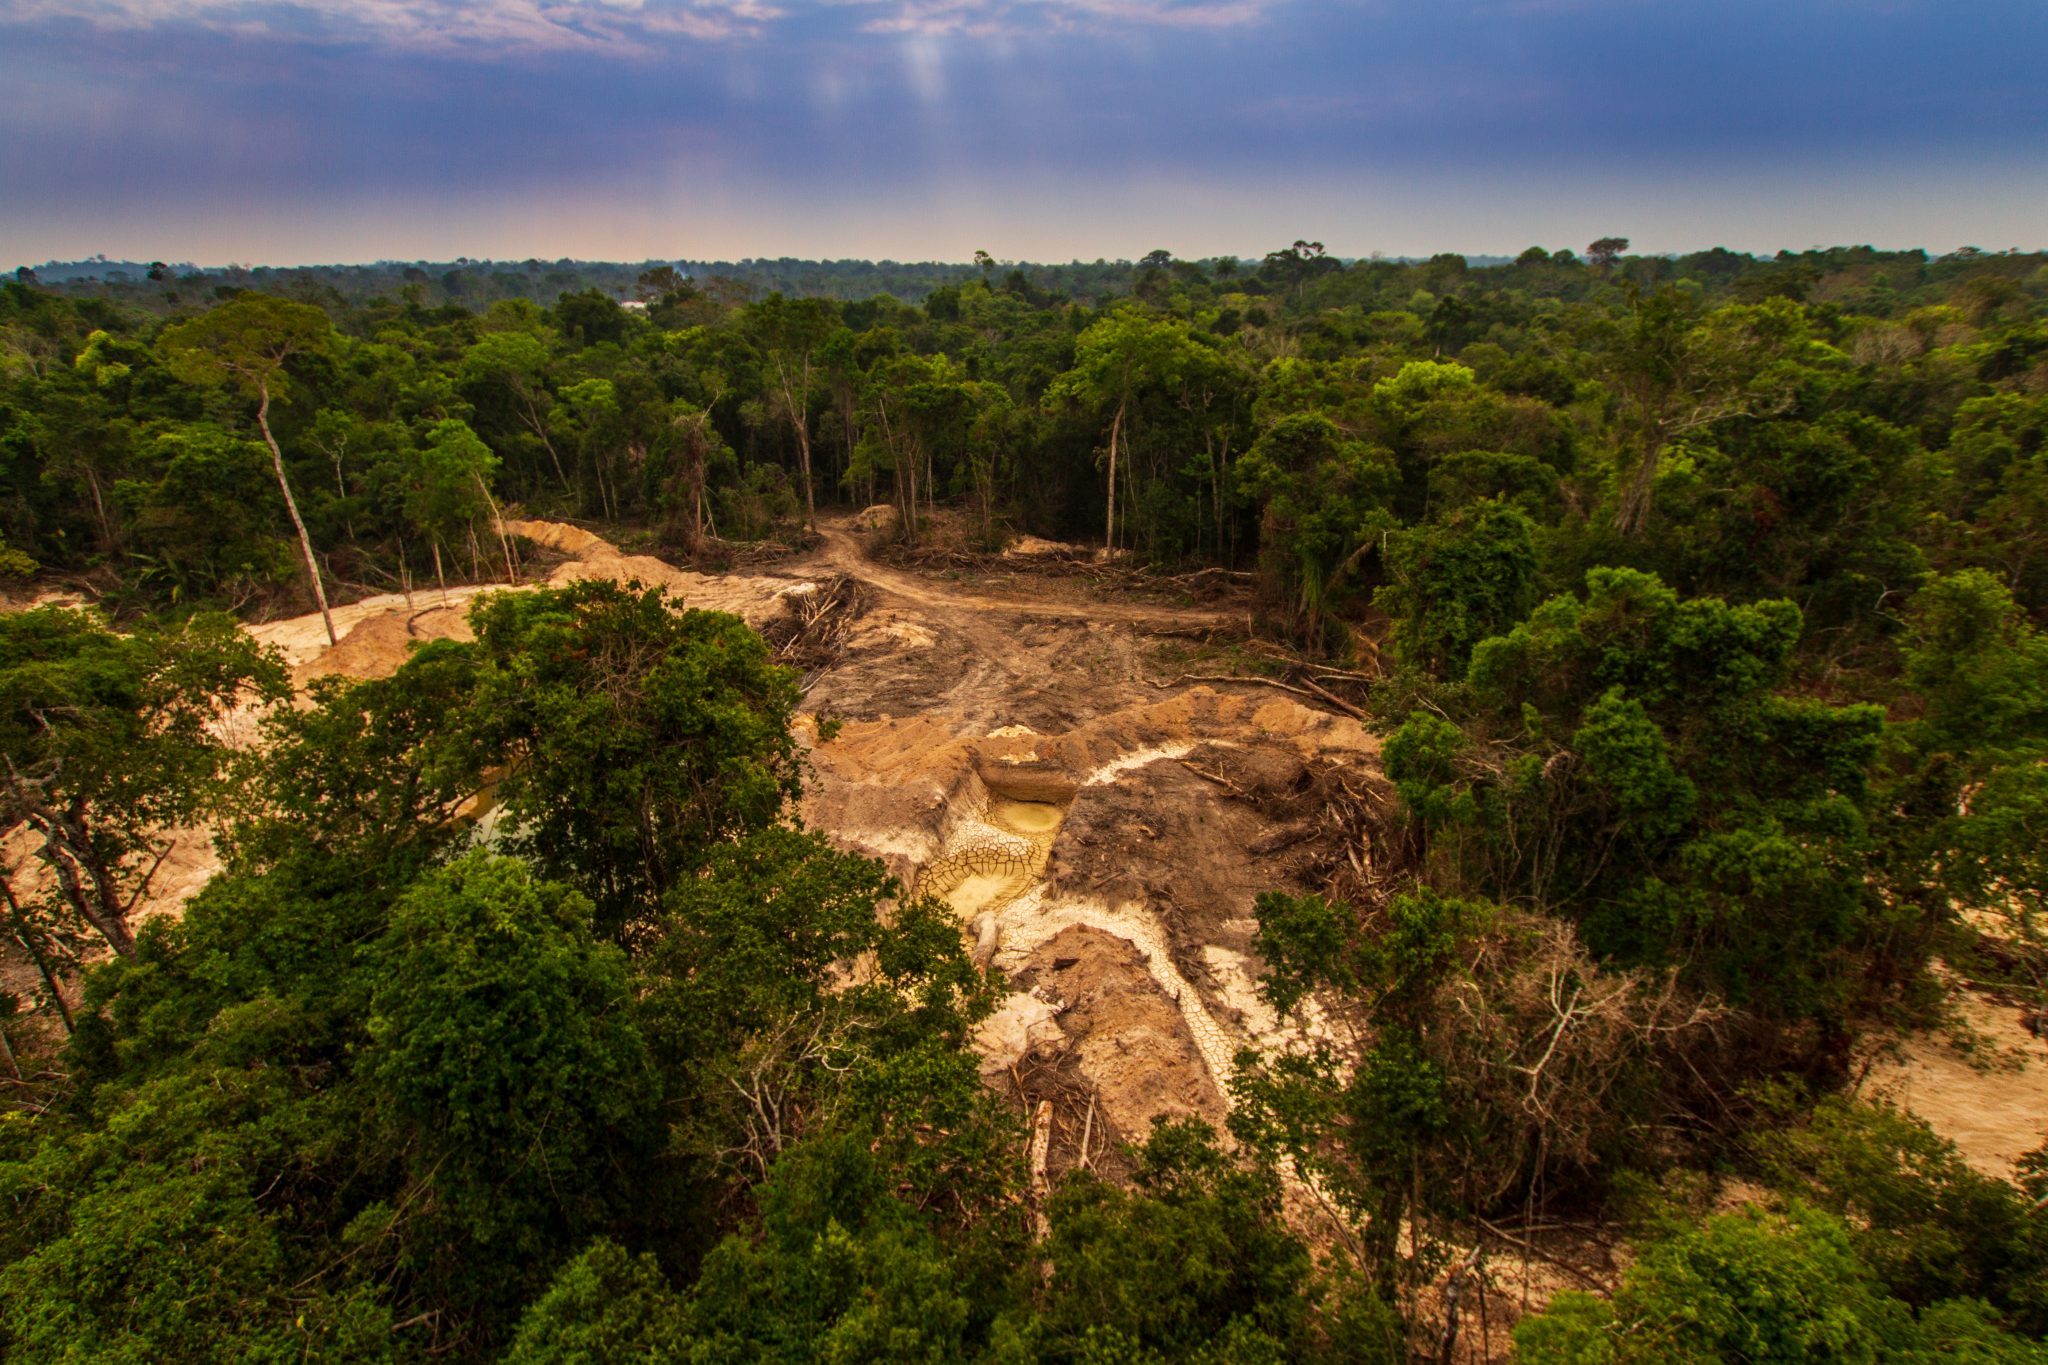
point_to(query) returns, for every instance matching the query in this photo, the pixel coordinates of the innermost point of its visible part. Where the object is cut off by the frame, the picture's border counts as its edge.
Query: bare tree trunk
(1632, 514)
(1220, 461)
(67, 848)
(439, 577)
(799, 417)
(1116, 431)
(292, 505)
(99, 507)
(532, 417)
(906, 478)
(1040, 1151)
(498, 525)
(59, 855)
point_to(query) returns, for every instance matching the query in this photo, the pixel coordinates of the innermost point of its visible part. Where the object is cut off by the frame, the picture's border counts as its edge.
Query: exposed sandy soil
(377, 633)
(1007, 751)
(1127, 933)
(1983, 1086)
(1123, 917)
(953, 693)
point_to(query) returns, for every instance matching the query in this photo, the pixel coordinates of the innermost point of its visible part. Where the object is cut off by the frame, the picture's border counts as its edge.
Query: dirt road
(843, 553)
(973, 661)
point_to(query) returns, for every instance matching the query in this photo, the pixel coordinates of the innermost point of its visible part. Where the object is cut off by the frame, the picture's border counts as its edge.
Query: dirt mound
(881, 519)
(562, 538)
(1011, 749)
(1147, 874)
(1129, 1039)
(1128, 842)
(377, 633)
(1033, 547)
(377, 645)
(892, 787)
(757, 600)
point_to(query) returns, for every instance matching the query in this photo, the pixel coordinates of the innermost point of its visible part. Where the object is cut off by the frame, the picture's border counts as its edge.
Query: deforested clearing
(1300, 809)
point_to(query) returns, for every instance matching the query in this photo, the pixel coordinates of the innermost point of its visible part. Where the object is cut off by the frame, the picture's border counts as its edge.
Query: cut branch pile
(810, 634)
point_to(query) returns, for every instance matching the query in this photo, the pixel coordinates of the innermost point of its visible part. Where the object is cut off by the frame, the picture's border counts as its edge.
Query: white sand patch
(1138, 758)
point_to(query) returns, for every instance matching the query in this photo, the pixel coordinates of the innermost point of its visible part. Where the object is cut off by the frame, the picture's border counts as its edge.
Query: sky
(278, 132)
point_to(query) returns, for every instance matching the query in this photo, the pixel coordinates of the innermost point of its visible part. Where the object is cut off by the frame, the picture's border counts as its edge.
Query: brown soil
(1181, 806)
(1127, 1036)
(954, 696)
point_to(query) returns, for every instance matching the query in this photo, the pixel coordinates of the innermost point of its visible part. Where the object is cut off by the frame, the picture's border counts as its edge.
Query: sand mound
(1130, 1040)
(377, 645)
(377, 633)
(561, 537)
(303, 639)
(1032, 547)
(882, 517)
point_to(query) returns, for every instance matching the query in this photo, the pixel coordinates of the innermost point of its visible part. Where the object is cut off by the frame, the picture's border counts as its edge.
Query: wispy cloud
(623, 27)
(475, 26)
(1015, 18)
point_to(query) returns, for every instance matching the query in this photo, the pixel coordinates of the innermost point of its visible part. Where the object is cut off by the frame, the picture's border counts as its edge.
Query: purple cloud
(477, 27)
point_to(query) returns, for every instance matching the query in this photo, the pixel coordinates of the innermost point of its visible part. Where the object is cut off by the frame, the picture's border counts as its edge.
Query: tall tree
(1119, 359)
(516, 363)
(246, 343)
(790, 333)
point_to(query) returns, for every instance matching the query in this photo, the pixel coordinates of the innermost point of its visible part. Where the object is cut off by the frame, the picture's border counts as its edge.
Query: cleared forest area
(1283, 810)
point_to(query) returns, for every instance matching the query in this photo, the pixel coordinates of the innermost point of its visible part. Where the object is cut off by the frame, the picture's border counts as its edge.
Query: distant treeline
(162, 286)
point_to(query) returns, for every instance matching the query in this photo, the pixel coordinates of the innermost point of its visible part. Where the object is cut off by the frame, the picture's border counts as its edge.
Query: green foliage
(388, 1094)
(605, 1305)
(1657, 538)
(840, 1269)
(1326, 506)
(246, 342)
(207, 523)
(1759, 1287)
(372, 769)
(1926, 1224)
(1467, 1055)
(1193, 1262)
(1457, 582)
(500, 1035)
(1368, 1134)
(162, 1264)
(1595, 729)
(634, 735)
(1966, 787)
(111, 740)
(450, 485)
(745, 1007)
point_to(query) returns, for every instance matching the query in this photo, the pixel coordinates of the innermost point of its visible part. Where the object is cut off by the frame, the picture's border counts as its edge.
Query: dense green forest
(1703, 601)
(478, 284)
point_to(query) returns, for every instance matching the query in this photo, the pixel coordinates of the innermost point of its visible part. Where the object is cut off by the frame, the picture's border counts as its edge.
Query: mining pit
(1100, 837)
